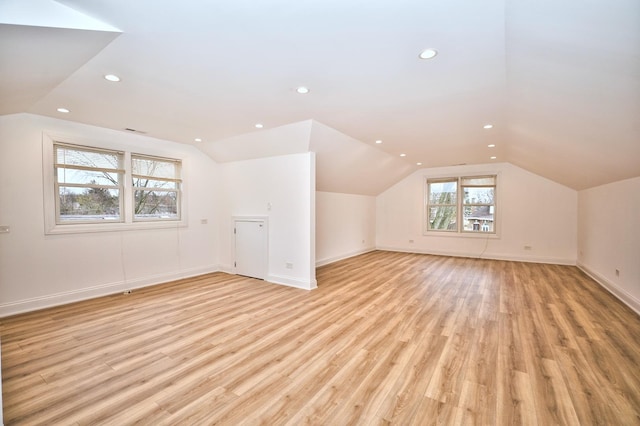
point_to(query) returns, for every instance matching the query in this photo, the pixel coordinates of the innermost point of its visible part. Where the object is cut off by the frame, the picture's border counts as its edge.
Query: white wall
(345, 226)
(531, 211)
(281, 188)
(38, 270)
(609, 237)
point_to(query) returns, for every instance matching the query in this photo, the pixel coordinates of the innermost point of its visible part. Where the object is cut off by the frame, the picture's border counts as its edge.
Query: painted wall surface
(38, 270)
(609, 237)
(531, 211)
(282, 189)
(345, 225)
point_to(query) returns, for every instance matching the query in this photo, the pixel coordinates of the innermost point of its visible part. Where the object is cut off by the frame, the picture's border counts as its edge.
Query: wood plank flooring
(387, 338)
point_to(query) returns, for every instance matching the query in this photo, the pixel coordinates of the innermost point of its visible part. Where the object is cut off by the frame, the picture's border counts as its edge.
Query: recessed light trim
(302, 90)
(488, 126)
(259, 125)
(403, 155)
(418, 164)
(378, 141)
(493, 157)
(429, 53)
(198, 139)
(64, 110)
(491, 145)
(112, 77)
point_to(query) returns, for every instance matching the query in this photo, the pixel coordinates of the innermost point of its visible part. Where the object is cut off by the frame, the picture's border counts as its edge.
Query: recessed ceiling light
(492, 145)
(378, 141)
(494, 157)
(418, 164)
(302, 90)
(428, 53)
(112, 77)
(403, 155)
(488, 126)
(198, 140)
(64, 110)
(259, 126)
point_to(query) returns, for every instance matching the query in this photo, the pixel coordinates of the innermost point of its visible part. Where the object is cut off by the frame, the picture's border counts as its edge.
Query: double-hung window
(478, 203)
(461, 204)
(442, 204)
(93, 189)
(156, 188)
(88, 184)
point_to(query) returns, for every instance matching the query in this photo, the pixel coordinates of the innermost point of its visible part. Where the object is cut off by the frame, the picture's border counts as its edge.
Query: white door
(250, 248)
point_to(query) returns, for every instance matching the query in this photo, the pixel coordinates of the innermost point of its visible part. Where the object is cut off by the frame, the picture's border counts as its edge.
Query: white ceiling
(559, 80)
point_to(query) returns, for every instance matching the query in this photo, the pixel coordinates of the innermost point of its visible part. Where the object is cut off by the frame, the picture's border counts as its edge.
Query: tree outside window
(476, 206)
(89, 186)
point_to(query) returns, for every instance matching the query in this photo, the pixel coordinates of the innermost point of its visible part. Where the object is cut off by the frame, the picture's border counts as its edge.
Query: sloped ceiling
(559, 81)
(41, 45)
(343, 164)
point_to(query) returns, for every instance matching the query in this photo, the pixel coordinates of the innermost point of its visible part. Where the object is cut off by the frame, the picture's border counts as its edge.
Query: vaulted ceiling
(558, 80)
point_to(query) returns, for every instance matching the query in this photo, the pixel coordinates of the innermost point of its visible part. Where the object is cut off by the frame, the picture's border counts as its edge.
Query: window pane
(442, 218)
(156, 184)
(88, 204)
(156, 204)
(442, 192)
(87, 177)
(79, 157)
(148, 183)
(478, 218)
(479, 195)
(154, 168)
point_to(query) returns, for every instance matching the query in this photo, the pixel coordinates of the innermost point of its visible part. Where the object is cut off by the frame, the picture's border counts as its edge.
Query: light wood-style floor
(387, 338)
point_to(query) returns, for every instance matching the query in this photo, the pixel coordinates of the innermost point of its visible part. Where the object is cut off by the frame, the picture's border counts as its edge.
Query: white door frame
(265, 240)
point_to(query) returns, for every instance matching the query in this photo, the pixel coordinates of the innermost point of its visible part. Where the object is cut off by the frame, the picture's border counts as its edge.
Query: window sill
(86, 228)
(484, 236)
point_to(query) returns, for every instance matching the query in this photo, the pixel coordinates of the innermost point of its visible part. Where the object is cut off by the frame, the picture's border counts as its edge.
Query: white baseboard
(57, 299)
(619, 293)
(227, 269)
(278, 279)
(492, 256)
(292, 282)
(332, 259)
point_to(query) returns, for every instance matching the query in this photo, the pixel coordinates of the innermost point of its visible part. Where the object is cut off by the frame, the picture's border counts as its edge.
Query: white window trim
(49, 197)
(461, 234)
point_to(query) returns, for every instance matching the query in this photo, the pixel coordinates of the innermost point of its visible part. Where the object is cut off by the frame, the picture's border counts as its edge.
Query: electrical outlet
(528, 248)
(289, 265)
(410, 241)
(204, 221)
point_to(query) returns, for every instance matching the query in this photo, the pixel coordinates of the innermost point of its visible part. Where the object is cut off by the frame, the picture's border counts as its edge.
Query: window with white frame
(95, 189)
(461, 204)
(88, 184)
(156, 188)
